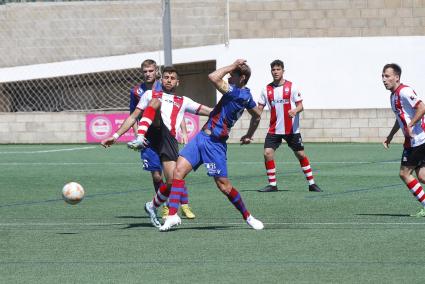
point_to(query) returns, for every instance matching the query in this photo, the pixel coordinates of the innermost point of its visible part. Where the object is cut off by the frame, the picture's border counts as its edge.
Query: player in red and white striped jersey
(409, 110)
(285, 103)
(172, 108)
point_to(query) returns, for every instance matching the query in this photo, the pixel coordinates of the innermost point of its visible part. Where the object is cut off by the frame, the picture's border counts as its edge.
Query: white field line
(229, 163)
(216, 223)
(49, 151)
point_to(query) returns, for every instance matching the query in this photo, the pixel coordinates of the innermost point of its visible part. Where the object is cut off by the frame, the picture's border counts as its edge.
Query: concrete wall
(43, 32)
(367, 125)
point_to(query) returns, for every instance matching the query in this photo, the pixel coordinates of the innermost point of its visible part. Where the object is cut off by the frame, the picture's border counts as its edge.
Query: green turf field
(357, 231)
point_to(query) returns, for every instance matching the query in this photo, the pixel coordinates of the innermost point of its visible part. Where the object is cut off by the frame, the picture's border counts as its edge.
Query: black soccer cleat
(269, 188)
(314, 188)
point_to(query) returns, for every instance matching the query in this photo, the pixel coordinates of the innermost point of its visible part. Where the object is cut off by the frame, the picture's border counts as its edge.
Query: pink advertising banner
(101, 126)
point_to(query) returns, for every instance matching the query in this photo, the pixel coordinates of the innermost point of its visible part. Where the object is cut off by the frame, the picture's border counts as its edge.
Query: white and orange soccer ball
(72, 193)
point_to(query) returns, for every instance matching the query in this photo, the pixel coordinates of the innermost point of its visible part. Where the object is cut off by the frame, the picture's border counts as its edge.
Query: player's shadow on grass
(131, 217)
(256, 190)
(383, 214)
(205, 228)
(137, 225)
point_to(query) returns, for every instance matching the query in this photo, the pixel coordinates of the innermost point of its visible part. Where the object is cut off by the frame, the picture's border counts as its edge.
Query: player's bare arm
(299, 108)
(128, 123)
(390, 136)
(216, 77)
(204, 111)
(184, 131)
(253, 124)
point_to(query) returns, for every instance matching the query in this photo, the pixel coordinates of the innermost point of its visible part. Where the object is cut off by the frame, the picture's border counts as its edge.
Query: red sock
(237, 201)
(271, 172)
(416, 189)
(146, 121)
(176, 191)
(161, 195)
(308, 172)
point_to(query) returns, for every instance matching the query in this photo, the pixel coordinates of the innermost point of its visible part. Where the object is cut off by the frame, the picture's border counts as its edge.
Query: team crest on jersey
(286, 90)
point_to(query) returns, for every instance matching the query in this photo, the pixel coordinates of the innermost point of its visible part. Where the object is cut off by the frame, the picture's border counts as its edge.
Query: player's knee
(178, 173)
(404, 176)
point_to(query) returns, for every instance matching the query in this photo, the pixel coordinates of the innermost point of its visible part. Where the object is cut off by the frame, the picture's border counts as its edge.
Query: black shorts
(413, 157)
(168, 147)
(153, 135)
(295, 142)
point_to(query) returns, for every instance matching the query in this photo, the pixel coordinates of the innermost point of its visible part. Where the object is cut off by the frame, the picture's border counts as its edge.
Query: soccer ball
(72, 193)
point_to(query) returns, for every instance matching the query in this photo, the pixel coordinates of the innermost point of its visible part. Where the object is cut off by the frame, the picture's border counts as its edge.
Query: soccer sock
(176, 191)
(416, 189)
(237, 201)
(157, 185)
(271, 172)
(308, 172)
(184, 197)
(161, 195)
(146, 121)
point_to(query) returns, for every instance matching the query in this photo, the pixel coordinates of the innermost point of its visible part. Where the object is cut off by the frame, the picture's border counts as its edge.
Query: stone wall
(366, 125)
(43, 32)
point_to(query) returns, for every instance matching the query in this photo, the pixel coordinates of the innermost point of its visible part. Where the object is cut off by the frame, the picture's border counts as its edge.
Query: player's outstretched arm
(128, 123)
(204, 111)
(253, 124)
(390, 136)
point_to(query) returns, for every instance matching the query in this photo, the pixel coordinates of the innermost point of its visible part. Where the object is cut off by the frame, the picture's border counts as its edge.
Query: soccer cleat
(254, 223)
(269, 188)
(151, 210)
(138, 144)
(171, 221)
(314, 188)
(165, 211)
(420, 213)
(187, 211)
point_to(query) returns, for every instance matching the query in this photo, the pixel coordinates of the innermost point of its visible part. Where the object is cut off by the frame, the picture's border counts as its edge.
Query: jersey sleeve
(409, 95)
(263, 97)
(251, 103)
(144, 100)
(295, 94)
(191, 106)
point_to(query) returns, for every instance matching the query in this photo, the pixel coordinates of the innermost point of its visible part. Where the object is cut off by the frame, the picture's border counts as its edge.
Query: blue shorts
(150, 160)
(204, 149)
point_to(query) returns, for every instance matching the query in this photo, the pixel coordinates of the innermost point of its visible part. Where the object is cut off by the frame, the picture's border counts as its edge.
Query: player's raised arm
(216, 77)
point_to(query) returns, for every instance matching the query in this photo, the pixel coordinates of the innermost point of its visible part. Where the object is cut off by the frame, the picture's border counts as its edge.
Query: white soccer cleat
(151, 210)
(171, 221)
(138, 144)
(254, 223)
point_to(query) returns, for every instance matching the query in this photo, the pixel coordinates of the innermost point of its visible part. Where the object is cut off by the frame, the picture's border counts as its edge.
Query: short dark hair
(170, 69)
(394, 66)
(244, 69)
(277, 62)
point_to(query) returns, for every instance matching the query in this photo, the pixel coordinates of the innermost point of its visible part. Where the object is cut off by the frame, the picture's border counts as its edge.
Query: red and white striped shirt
(172, 108)
(403, 102)
(280, 99)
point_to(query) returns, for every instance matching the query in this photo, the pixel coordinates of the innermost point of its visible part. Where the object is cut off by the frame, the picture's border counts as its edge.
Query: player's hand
(138, 144)
(184, 139)
(108, 142)
(292, 112)
(245, 140)
(239, 62)
(409, 131)
(386, 143)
